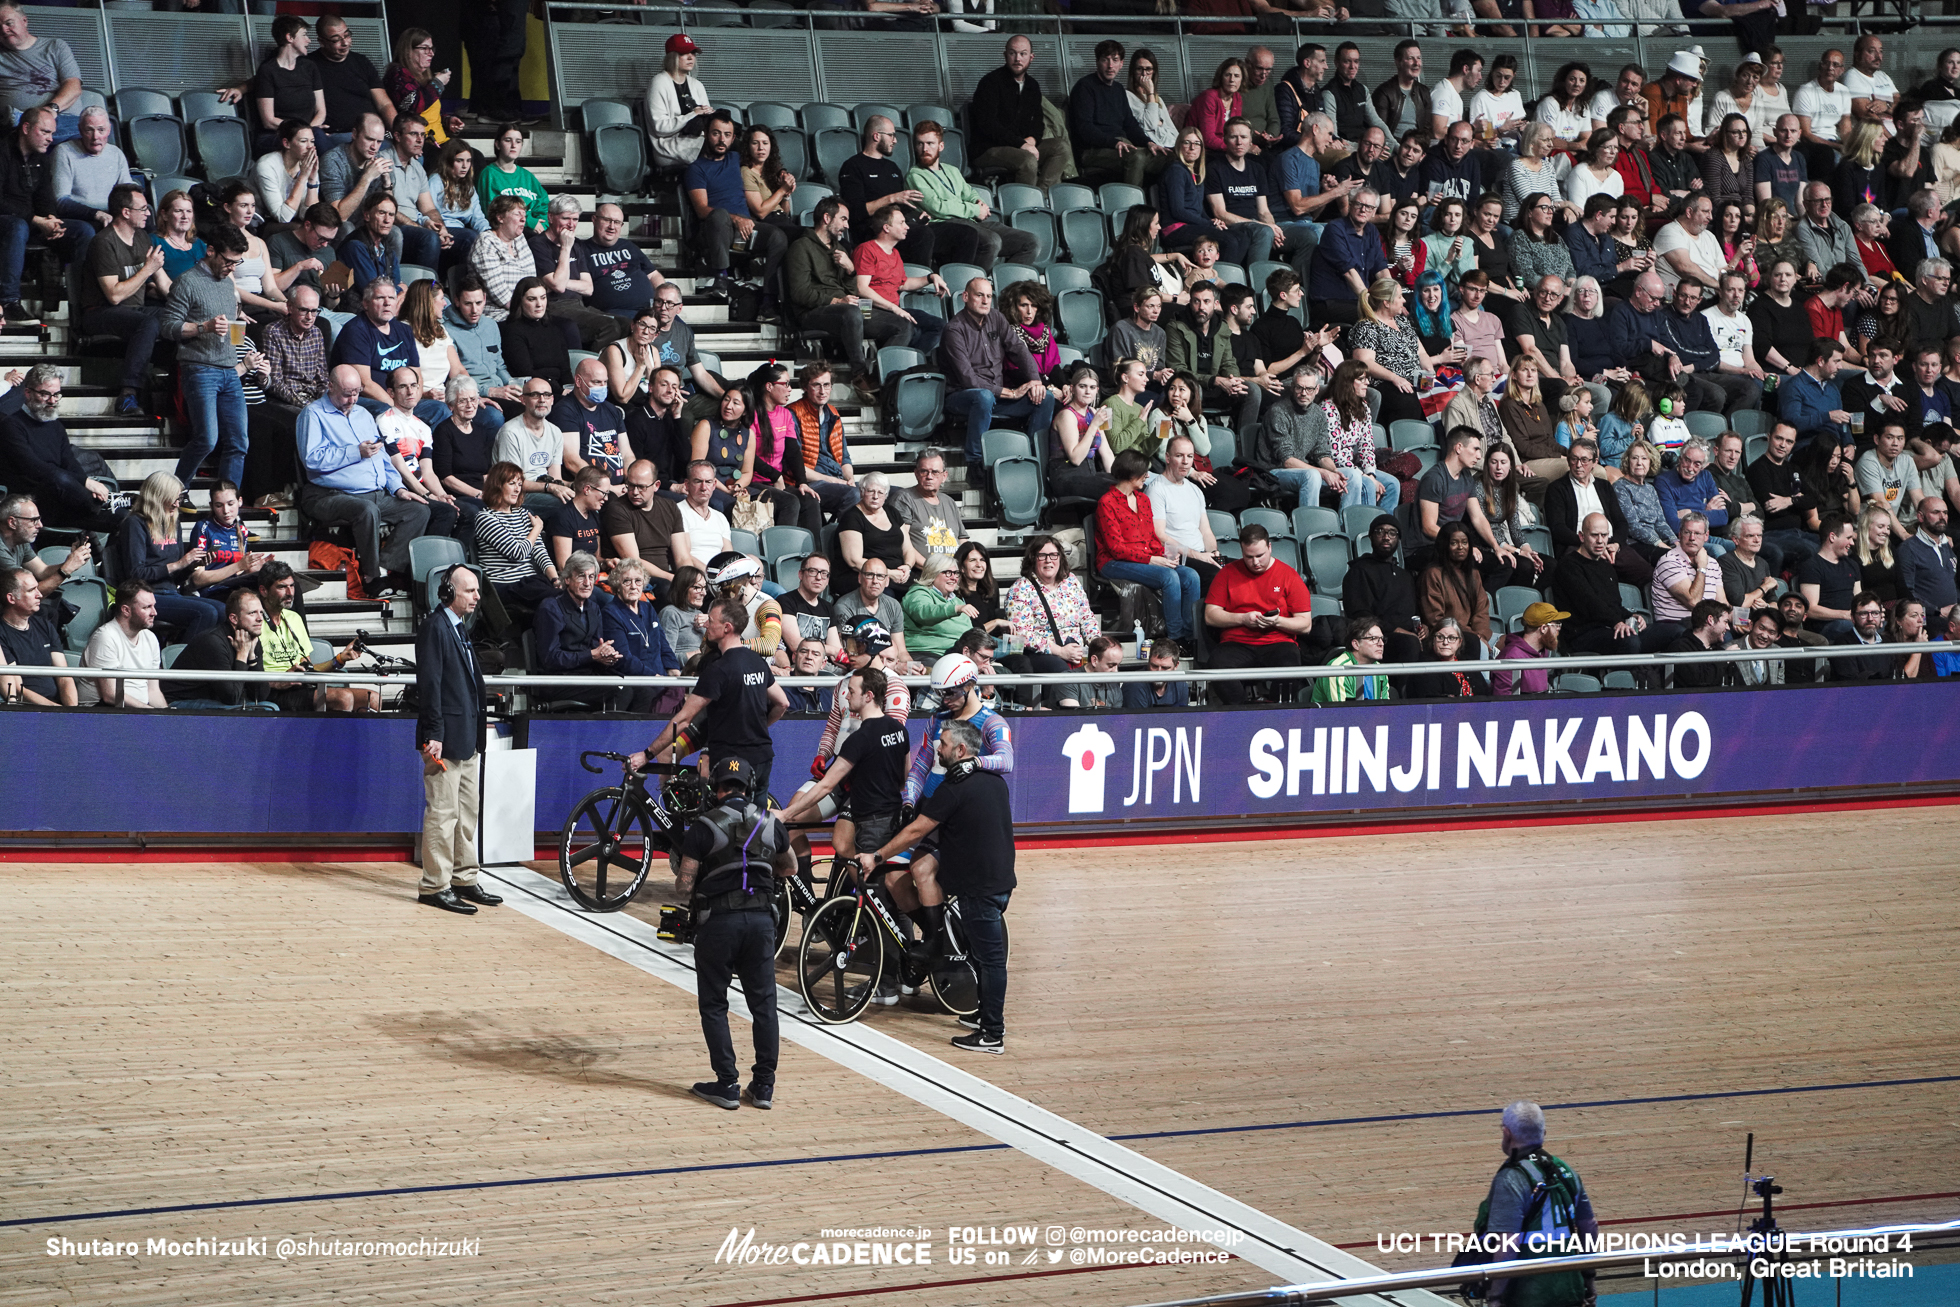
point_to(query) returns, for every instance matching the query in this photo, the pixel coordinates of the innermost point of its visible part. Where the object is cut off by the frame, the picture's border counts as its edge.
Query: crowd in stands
(1593, 306)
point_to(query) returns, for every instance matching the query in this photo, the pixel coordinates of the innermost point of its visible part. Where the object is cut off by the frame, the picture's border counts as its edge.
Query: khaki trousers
(449, 825)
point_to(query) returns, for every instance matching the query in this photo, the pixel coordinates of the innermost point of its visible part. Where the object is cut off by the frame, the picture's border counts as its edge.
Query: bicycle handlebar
(652, 768)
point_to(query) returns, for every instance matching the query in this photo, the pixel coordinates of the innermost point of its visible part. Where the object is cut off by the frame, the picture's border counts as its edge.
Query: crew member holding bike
(745, 697)
(870, 768)
(730, 858)
(969, 814)
(956, 688)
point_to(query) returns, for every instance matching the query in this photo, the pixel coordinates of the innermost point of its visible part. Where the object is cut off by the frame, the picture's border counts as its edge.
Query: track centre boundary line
(1072, 1149)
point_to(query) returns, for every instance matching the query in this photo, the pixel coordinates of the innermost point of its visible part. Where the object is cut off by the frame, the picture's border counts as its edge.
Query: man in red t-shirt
(881, 278)
(1826, 308)
(1261, 607)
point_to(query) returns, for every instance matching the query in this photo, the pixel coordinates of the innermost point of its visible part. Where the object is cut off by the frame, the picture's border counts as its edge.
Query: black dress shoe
(448, 902)
(476, 894)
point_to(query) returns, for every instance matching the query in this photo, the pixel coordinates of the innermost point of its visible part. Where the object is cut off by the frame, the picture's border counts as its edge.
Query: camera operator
(730, 858)
(1536, 1194)
(287, 647)
(976, 868)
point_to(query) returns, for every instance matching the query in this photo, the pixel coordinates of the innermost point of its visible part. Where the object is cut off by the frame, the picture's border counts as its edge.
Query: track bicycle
(852, 937)
(608, 845)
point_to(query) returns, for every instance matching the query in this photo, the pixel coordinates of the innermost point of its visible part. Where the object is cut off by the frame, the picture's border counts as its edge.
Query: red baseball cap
(682, 43)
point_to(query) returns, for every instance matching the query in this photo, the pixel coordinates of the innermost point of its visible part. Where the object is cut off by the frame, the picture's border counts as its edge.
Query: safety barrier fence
(797, 55)
(1557, 665)
(1873, 1242)
(199, 777)
(120, 48)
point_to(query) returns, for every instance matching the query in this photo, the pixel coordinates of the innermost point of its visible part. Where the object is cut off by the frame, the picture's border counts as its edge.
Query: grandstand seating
(191, 137)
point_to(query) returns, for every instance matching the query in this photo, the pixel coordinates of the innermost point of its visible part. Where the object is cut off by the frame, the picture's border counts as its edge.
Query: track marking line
(1293, 1255)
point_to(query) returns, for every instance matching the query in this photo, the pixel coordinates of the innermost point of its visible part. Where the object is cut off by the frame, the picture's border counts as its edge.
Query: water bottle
(1141, 647)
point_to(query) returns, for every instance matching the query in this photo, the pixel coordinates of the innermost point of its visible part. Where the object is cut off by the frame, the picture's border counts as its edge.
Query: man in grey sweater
(199, 314)
(480, 345)
(86, 169)
(1292, 442)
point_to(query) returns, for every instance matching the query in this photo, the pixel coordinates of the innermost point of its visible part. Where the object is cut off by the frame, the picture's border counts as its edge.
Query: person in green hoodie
(1364, 650)
(945, 195)
(935, 614)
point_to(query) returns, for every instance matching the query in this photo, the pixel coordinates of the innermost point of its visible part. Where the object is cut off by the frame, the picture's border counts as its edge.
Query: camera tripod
(1777, 1289)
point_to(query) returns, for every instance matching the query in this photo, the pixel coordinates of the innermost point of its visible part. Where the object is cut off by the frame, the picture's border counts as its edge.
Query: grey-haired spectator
(565, 269)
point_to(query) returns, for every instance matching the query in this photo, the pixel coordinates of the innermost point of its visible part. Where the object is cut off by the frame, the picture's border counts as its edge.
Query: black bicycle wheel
(780, 916)
(840, 960)
(956, 983)
(606, 850)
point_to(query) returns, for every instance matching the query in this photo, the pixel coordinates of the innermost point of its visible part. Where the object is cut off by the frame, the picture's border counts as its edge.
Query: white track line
(1174, 1198)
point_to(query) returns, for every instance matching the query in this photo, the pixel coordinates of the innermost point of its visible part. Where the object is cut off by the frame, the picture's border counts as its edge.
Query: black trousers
(494, 36)
(270, 459)
(138, 326)
(1233, 656)
(1038, 664)
(737, 943)
(850, 326)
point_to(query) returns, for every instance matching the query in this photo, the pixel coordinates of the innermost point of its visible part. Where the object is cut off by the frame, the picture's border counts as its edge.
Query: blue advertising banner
(1280, 765)
(185, 774)
(209, 773)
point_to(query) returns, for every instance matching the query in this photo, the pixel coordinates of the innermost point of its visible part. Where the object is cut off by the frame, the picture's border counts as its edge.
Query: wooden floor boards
(205, 1034)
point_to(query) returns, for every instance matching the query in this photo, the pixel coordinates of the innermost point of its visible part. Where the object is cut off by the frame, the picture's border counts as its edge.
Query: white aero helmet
(952, 676)
(729, 571)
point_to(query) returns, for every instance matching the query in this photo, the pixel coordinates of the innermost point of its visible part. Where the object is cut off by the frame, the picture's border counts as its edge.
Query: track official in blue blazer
(449, 734)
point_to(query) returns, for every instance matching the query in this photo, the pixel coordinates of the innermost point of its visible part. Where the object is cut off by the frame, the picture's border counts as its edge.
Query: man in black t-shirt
(872, 760)
(29, 639)
(574, 525)
(745, 698)
(348, 78)
(1787, 509)
(1829, 580)
(807, 614)
(976, 869)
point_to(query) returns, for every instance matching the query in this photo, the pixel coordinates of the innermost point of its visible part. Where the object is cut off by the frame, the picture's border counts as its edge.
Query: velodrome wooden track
(179, 1036)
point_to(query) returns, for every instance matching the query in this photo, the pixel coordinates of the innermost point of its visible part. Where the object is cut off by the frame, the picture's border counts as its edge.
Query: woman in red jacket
(1212, 109)
(1130, 547)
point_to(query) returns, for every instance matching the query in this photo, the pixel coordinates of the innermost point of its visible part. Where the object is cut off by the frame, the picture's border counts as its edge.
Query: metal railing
(1554, 666)
(1449, 1277)
(1188, 48)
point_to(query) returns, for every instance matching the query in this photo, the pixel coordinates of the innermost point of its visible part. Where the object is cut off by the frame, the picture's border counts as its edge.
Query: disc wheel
(956, 984)
(605, 850)
(840, 960)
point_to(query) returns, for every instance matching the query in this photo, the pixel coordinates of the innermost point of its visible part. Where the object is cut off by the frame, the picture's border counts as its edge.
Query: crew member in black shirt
(745, 697)
(976, 868)
(873, 759)
(736, 849)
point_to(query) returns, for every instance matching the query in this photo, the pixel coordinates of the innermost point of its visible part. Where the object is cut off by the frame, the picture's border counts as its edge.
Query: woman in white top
(1772, 98)
(1595, 174)
(437, 359)
(288, 179)
(1743, 97)
(1564, 109)
(1538, 169)
(971, 6)
(1146, 104)
(1498, 103)
(677, 106)
(258, 285)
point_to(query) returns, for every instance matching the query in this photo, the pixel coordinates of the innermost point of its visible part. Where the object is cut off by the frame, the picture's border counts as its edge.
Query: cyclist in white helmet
(738, 576)
(955, 690)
